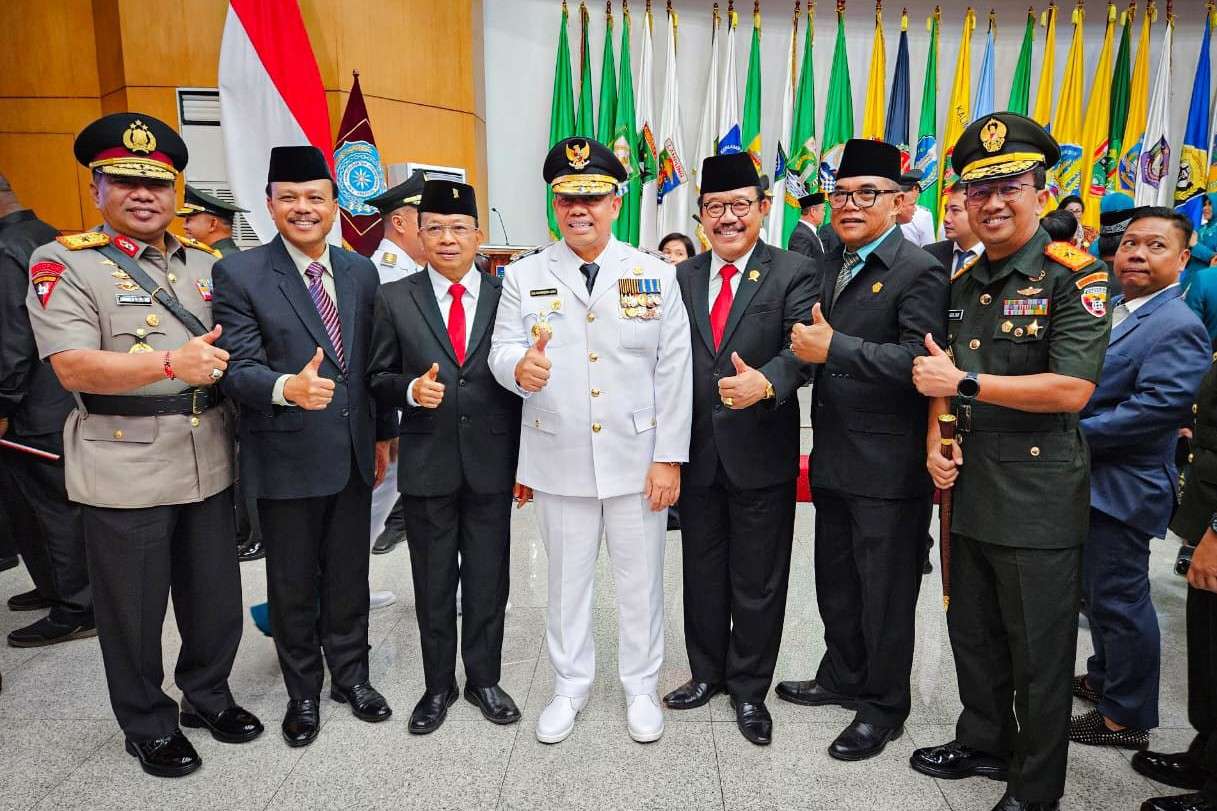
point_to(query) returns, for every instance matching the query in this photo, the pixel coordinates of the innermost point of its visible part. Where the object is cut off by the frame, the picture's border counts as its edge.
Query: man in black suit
(460, 444)
(737, 492)
(961, 247)
(805, 238)
(882, 296)
(312, 445)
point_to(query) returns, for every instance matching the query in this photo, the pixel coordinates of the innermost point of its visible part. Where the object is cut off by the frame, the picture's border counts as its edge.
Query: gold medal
(1007, 326)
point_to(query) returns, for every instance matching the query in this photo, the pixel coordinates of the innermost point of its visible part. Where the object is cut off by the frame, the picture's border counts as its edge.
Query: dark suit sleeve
(385, 379)
(800, 242)
(784, 371)
(249, 380)
(1162, 396)
(387, 425)
(17, 349)
(922, 308)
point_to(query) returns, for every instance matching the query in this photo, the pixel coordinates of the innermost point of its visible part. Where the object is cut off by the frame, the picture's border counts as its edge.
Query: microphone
(503, 227)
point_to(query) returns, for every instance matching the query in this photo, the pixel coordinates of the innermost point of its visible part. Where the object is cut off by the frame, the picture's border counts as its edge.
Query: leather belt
(190, 402)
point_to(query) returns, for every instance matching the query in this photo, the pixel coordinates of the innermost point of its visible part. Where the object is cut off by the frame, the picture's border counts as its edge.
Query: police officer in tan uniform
(123, 313)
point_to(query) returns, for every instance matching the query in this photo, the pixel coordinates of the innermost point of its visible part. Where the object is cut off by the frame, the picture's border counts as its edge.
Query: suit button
(341, 379)
(346, 412)
(464, 420)
(595, 392)
(172, 279)
(1035, 451)
(194, 422)
(591, 317)
(462, 381)
(593, 357)
(1195, 408)
(595, 427)
(1191, 457)
(118, 434)
(985, 298)
(1018, 332)
(974, 343)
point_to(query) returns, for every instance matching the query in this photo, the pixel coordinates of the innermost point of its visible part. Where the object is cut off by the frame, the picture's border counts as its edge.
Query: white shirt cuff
(276, 394)
(410, 394)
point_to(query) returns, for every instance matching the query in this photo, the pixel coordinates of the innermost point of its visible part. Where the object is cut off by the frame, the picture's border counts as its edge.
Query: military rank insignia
(1094, 299)
(125, 245)
(1025, 306)
(640, 298)
(204, 288)
(44, 276)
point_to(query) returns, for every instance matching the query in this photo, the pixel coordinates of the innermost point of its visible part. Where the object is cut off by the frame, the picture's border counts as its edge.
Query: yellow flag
(1138, 107)
(959, 113)
(874, 117)
(1095, 131)
(1043, 91)
(1066, 178)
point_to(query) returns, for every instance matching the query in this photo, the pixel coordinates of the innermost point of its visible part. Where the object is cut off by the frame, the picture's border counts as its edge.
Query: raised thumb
(213, 336)
(315, 362)
(932, 346)
(542, 340)
(817, 315)
(433, 372)
(738, 363)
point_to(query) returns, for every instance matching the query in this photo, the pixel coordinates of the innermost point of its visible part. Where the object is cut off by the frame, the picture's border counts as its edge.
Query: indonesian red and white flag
(270, 95)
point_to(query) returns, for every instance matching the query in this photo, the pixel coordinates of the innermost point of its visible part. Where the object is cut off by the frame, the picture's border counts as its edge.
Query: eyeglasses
(739, 208)
(1008, 192)
(434, 231)
(862, 198)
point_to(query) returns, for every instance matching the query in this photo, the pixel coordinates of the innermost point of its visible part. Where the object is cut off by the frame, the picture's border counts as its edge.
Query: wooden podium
(497, 256)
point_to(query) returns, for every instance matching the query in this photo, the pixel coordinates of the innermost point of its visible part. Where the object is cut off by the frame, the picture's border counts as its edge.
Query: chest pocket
(1020, 343)
(640, 335)
(130, 329)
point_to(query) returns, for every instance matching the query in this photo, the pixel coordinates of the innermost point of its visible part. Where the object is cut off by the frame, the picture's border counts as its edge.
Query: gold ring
(729, 402)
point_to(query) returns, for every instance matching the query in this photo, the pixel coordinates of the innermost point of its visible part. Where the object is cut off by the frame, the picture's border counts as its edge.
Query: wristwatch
(969, 387)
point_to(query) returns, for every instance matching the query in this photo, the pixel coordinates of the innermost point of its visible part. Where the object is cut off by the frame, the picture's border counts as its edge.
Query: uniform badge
(125, 245)
(637, 271)
(753, 275)
(138, 138)
(640, 298)
(388, 259)
(1099, 276)
(955, 315)
(153, 320)
(1030, 291)
(204, 288)
(556, 305)
(1006, 326)
(138, 347)
(1094, 299)
(1033, 328)
(44, 276)
(1025, 306)
(126, 285)
(578, 156)
(542, 326)
(993, 135)
(121, 275)
(876, 287)
(136, 299)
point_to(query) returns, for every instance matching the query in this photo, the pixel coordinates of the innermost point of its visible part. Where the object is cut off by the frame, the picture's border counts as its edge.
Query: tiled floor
(60, 747)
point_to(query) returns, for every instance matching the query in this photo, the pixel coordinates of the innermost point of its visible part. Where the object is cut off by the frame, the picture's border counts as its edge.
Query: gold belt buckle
(195, 408)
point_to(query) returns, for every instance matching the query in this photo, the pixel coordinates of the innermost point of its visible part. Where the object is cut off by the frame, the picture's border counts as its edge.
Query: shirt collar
(869, 248)
(471, 281)
(302, 261)
(173, 247)
(977, 250)
(599, 261)
(717, 262)
(1133, 303)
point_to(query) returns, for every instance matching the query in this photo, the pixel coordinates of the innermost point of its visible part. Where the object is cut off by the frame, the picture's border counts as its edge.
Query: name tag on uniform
(640, 298)
(544, 291)
(955, 315)
(139, 299)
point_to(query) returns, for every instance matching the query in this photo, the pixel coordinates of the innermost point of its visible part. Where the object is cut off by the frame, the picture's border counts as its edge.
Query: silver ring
(216, 374)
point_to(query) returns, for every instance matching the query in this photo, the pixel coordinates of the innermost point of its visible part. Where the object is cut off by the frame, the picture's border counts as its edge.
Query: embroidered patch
(1025, 306)
(125, 245)
(1091, 278)
(44, 276)
(1094, 299)
(204, 288)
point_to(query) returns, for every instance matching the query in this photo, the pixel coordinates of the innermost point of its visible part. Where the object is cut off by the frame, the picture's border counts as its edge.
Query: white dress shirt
(1133, 303)
(472, 282)
(921, 230)
(302, 261)
(974, 253)
(716, 279)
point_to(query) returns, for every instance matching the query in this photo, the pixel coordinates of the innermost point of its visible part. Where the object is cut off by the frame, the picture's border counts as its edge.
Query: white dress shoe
(381, 599)
(644, 717)
(557, 720)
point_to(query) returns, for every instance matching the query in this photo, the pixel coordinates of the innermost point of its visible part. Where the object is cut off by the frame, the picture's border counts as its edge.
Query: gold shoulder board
(191, 242)
(88, 239)
(523, 254)
(1065, 254)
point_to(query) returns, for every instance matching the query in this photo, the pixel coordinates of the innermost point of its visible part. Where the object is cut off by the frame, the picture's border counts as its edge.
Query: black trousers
(477, 526)
(138, 558)
(868, 560)
(246, 506)
(317, 585)
(1202, 681)
(735, 544)
(396, 520)
(1014, 629)
(49, 530)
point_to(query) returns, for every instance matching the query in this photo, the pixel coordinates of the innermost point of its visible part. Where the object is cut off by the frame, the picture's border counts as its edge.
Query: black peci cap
(200, 202)
(1002, 145)
(448, 197)
(813, 199)
(727, 172)
(582, 167)
(297, 164)
(131, 145)
(865, 158)
(408, 193)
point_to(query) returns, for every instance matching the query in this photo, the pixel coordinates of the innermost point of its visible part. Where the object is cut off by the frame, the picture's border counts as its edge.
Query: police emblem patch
(44, 276)
(1094, 299)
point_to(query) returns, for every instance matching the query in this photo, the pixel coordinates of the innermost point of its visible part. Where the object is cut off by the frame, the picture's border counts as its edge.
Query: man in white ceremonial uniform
(592, 333)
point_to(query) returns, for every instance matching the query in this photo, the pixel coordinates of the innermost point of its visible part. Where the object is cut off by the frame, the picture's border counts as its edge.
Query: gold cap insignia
(138, 138)
(578, 156)
(993, 135)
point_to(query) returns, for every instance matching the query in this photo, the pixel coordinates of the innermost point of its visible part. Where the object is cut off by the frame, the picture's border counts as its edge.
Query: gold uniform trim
(588, 185)
(1011, 163)
(87, 239)
(1067, 255)
(189, 208)
(191, 242)
(134, 167)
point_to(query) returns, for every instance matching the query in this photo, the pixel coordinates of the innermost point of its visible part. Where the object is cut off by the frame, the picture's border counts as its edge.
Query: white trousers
(571, 529)
(383, 498)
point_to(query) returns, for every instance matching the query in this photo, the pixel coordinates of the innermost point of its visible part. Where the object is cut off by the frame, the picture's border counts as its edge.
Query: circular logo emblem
(359, 177)
(1155, 161)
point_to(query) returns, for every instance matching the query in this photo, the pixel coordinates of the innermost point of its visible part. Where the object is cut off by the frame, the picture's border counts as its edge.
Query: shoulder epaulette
(1065, 254)
(88, 239)
(191, 242)
(655, 254)
(528, 253)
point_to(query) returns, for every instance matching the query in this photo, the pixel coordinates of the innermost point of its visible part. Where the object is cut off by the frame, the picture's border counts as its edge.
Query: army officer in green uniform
(1027, 329)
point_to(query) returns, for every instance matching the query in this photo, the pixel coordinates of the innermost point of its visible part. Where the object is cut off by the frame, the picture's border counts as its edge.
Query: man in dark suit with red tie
(460, 443)
(313, 440)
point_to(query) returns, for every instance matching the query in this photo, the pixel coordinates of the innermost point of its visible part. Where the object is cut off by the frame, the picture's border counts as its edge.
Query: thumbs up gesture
(810, 343)
(935, 374)
(194, 360)
(426, 390)
(744, 388)
(309, 389)
(532, 372)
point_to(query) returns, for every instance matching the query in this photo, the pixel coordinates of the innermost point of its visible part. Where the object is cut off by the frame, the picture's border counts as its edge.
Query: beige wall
(420, 65)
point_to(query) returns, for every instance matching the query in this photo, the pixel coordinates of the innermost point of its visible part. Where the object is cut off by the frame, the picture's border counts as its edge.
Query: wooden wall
(420, 65)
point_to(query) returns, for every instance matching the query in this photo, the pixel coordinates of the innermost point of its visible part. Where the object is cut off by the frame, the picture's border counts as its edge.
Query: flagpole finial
(904, 19)
(840, 6)
(355, 72)
(756, 7)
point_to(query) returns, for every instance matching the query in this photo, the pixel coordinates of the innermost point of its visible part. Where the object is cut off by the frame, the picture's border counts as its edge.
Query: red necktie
(722, 304)
(456, 323)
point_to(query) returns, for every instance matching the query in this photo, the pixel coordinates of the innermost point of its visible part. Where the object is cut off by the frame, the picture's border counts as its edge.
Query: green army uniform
(1021, 502)
(194, 202)
(226, 246)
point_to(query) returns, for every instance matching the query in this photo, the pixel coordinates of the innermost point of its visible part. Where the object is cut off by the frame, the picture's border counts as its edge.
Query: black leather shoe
(233, 725)
(811, 694)
(861, 740)
(48, 632)
(28, 601)
(1178, 770)
(1180, 802)
(691, 694)
(1011, 803)
(170, 756)
(387, 540)
(366, 703)
(252, 549)
(954, 761)
(753, 721)
(302, 722)
(497, 707)
(431, 710)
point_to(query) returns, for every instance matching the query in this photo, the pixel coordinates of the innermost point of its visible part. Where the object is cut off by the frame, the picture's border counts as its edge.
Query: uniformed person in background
(593, 334)
(149, 447)
(33, 409)
(1027, 330)
(209, 220)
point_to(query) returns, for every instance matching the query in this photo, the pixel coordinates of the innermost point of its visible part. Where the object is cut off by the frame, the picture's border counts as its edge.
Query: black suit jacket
(804, 240)
(869, 421)
(271, 328)
(944, 252)
(474, 434)
(757, 446)
(829, 238)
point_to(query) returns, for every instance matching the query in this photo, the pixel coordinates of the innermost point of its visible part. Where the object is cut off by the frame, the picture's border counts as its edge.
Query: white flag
(1153, 185)
(672, 185)
(777, 212)
(649, 217)
(729, 138)
(707, 134)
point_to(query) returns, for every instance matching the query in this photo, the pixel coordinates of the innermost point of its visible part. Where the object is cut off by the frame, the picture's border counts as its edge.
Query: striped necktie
(326, 309)
(851, 261)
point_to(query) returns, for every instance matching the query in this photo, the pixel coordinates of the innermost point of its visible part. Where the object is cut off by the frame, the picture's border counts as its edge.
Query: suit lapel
(428, 307)
(832, 269)
(615, 262)
(1144, 311)
(568, 273)
(296, 292)
(346, 293)
(753, 277)
(700, 279)
(488, 302)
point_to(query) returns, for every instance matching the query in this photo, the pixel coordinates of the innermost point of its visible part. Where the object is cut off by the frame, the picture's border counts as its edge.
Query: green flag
(561, 110)
(804, 164)
(925, 161)
(585, 118)
(608, 85)
(1020, 90)
(1121, 90)
(750, 127)
(625, 143)
(839, 117)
